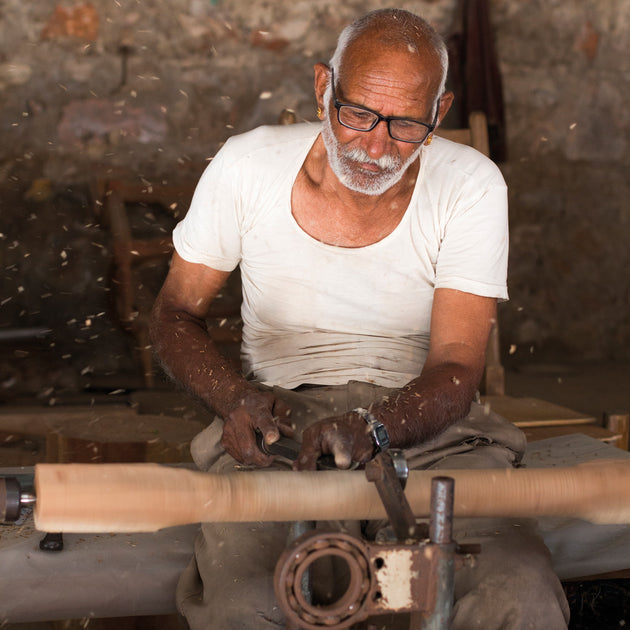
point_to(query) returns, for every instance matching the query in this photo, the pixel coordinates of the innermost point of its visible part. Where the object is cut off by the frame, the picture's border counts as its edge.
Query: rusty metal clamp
(412, 574)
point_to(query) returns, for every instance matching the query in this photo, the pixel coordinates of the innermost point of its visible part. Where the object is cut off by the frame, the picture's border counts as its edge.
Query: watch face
(381, 437)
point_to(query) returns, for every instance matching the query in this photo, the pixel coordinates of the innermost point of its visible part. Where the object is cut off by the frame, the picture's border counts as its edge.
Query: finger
(255, 457)
(239, 439)
(271, 432)
(281, 413)
(307, 458)
(245, 451)
(281, 410)
(343, 457)
(266, 424)
(287, 430)
(305, 462)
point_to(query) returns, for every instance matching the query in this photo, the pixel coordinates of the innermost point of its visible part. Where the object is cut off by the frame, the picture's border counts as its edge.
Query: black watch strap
(377, 429)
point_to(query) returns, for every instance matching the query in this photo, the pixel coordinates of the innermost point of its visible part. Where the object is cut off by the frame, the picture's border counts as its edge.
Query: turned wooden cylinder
(148, 497)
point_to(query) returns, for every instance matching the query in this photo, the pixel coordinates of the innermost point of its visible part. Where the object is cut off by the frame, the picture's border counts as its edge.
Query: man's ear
(322, 77)
(446, 101)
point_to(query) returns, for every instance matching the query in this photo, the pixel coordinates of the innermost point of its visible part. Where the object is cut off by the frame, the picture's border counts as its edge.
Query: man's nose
(378, 140)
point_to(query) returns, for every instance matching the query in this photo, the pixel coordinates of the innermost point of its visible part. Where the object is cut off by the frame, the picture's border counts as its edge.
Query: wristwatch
(377, 429)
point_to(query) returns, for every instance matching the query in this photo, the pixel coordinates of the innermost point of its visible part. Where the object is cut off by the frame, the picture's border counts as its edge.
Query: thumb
(271, 433)
(343, 457)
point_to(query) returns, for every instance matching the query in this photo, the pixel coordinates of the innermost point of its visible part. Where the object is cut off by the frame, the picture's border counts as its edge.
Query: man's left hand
(346, 437)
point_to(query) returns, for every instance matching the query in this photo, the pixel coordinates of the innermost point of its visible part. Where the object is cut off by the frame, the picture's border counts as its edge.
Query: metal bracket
(389, 472)
(414, 574)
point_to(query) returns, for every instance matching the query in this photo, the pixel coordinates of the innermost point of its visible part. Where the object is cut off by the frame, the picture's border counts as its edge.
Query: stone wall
(566, 71)
(151, 88)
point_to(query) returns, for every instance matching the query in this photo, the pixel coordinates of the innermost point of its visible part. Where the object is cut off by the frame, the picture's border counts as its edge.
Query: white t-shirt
(321, 314)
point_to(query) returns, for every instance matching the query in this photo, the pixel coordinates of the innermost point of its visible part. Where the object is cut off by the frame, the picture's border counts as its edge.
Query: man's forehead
(418, 55)
(419, 73)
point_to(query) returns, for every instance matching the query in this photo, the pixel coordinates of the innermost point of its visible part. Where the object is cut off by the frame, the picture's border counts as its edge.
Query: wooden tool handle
(147, 497)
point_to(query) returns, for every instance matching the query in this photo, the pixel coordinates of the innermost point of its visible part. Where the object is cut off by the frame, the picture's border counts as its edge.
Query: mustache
(385, 162)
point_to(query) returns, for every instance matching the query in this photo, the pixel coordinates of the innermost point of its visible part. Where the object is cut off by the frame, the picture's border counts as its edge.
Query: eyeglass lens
(364, 120)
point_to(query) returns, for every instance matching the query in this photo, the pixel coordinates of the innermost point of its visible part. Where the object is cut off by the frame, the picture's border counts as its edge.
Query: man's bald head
(392, 29)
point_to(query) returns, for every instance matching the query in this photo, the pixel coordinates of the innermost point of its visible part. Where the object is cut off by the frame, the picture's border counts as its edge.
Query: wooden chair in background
(141, 249)
(130, 251)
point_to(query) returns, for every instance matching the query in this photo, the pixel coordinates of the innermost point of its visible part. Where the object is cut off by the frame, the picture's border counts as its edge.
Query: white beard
(345, 164)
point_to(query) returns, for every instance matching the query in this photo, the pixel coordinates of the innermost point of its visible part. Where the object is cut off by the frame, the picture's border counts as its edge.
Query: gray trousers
(229, 582)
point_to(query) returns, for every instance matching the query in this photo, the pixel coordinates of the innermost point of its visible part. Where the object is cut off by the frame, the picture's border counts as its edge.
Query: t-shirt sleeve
(210, 232)
(473, 254)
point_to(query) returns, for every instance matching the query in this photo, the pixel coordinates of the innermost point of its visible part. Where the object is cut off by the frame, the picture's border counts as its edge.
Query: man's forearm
(189, 356)
(428, 405)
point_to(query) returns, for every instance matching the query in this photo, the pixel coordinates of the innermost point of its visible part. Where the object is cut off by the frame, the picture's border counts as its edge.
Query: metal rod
(15, 334)
(440, 535)
(441, 526)
(27, 498)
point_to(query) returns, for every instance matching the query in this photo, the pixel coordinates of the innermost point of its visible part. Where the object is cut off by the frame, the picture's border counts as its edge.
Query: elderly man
(372, 256)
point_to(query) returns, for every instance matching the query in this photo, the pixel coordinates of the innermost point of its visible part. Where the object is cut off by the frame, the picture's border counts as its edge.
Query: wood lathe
(147, 497)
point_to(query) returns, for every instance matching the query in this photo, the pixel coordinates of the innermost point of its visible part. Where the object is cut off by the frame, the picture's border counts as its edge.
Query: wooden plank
(619, 421)
(108, 433)
(533, 434)
(531, 412)
(493, 381)
(130, 427)
(39, 420)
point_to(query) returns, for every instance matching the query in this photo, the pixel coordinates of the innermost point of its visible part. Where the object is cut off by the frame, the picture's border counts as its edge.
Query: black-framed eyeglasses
(364, 119)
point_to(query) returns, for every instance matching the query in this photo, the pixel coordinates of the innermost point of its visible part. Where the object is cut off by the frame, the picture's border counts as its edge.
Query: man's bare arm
(181, 341)
(427, 405)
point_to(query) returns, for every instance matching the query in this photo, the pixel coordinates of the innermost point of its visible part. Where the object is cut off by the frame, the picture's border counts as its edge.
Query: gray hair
(410, 30)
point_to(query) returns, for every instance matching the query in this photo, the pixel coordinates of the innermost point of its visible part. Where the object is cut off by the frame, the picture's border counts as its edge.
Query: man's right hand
(257, 412)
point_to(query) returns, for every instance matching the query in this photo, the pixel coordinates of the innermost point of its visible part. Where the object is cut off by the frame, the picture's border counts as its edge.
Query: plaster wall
(151, 88)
